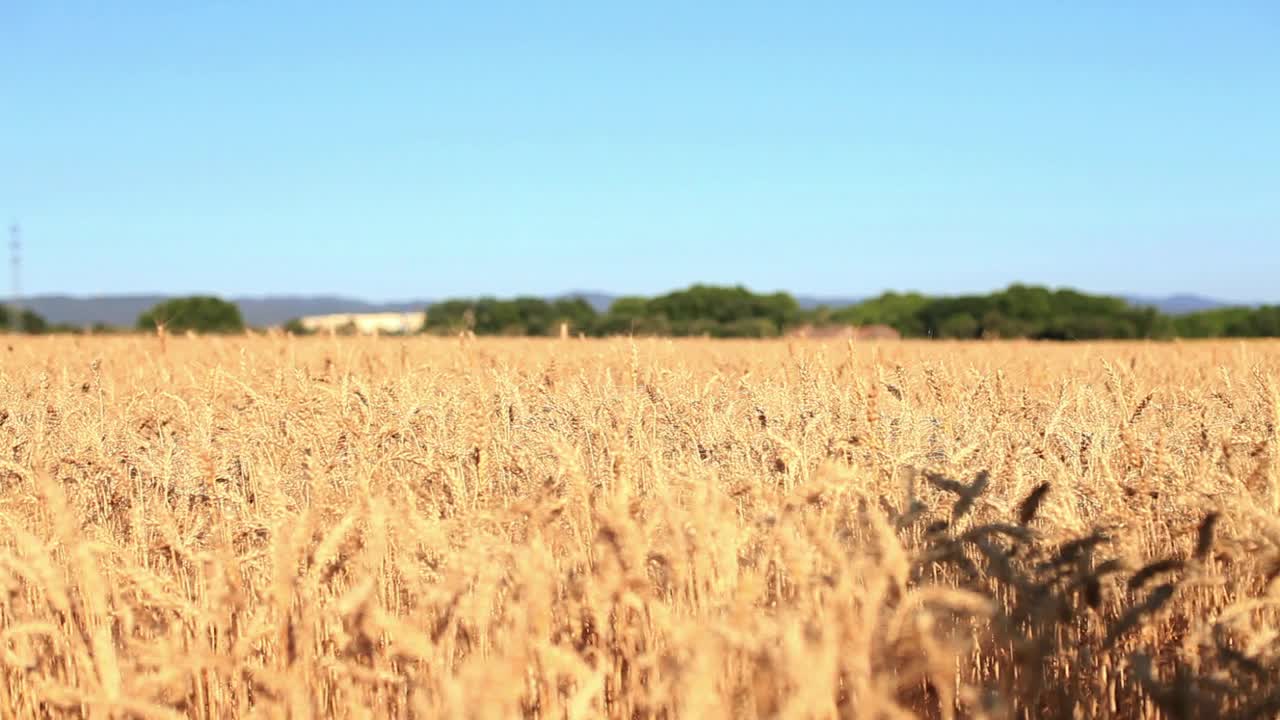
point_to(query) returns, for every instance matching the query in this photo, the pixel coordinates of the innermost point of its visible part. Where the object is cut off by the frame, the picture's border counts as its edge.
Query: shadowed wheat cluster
(421, 528)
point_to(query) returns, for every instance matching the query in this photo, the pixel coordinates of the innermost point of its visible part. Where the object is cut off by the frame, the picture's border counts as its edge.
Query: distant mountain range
(123, 310)
(1180, 304)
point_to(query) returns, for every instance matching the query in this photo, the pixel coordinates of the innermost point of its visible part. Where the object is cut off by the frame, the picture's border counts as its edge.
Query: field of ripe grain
(422, 528)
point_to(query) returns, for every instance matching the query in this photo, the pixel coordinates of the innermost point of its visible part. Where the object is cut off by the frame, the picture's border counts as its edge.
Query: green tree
(450, 316)
(628, 316)
(295, 327)
(25, 320)
(576, 312)
(955, 317)
(752, 327)
(1025, 305)
(1266, 321)
(960, 325)
(519, 316)
(901, 311)
(721, 311)
(31, 323)
(200, 313)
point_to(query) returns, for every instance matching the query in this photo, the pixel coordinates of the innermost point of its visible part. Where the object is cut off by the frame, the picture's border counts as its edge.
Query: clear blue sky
(414, 150)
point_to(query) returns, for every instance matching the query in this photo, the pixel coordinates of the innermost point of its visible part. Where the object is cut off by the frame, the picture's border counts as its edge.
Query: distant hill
(107, 309)
(1180, 304)
(598, 300)
(809, 302)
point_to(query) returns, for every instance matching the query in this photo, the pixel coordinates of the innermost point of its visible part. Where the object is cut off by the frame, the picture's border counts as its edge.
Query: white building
(366, 323)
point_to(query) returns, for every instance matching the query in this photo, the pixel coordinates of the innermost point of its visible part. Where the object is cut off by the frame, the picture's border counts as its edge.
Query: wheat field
(503, 528)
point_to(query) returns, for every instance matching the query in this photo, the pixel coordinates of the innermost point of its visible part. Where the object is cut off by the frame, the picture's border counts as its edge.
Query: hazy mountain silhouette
(1180, 304)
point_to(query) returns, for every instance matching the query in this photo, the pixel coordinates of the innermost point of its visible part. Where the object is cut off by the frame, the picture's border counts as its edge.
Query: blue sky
(419, 150)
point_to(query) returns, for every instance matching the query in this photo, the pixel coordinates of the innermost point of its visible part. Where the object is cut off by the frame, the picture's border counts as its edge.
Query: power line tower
(15, 266)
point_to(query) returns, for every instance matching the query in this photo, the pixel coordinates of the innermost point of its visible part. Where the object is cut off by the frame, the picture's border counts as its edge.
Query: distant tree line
(1022, 311)
(1019, 311)
(520, 316)
(699, 310)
